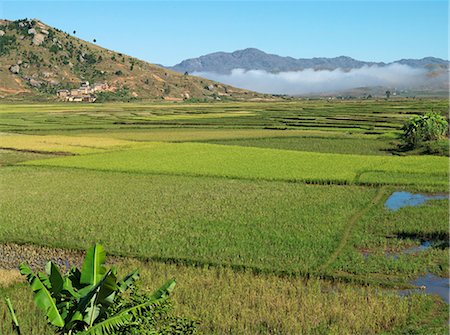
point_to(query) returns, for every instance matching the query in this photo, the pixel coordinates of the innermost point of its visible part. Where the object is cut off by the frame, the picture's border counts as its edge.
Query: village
(85, 93)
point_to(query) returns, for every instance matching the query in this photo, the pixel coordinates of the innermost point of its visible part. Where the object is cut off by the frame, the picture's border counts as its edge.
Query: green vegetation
(377, 244)
(265, 303)
(376, 119)
(6, 44)
(275, 209)
(424, 128)
(339, 144)
(93, 301)
(199, 159)
(204, 220)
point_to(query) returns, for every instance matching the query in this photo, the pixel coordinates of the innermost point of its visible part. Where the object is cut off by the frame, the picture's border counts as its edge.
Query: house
(85, 93)
(62, 94)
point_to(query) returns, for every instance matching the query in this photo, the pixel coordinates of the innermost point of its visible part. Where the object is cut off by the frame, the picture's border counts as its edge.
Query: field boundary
(56, 153)
(77, 255)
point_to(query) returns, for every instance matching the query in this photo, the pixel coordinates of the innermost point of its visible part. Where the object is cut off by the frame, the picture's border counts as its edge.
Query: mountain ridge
(255, 59)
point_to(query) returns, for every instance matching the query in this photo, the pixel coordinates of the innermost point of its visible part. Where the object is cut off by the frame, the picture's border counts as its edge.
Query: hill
(37, 60)
(254, 59)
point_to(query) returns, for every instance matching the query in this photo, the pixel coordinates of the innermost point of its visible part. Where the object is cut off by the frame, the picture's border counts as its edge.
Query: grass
(227, 302)
(61, 144)
(259, 163)
(340, 145)
(204, 134)
(265, 225)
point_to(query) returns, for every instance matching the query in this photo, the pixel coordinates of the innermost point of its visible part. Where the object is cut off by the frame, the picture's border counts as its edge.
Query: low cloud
(321, 81)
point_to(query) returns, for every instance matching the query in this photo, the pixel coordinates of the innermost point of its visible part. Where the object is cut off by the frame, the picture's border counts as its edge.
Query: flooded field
(403, 199)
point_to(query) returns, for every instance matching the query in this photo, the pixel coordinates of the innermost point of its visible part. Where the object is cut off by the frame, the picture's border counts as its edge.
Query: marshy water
(404, 199)
(428, 283)
(431, 284)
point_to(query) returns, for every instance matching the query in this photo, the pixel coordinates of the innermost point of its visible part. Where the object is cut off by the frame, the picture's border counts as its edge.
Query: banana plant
(79, 302)
(15, 322)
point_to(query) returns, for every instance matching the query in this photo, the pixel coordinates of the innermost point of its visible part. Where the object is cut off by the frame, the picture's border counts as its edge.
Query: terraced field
(270, 215)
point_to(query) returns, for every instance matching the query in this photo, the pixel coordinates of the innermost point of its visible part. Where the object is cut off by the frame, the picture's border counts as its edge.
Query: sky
(166, 32)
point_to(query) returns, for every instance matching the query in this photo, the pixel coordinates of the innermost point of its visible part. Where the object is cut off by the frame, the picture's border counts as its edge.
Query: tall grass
(271, 226)
(229, 302)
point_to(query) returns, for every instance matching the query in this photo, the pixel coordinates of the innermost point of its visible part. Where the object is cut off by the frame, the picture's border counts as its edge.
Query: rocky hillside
(254, 59)
(37, 60)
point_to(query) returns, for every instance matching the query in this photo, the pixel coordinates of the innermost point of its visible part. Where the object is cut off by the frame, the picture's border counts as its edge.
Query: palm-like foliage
(422, 128)
(80, 302)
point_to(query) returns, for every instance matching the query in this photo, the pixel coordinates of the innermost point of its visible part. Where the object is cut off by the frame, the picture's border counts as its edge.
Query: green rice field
(270, 215)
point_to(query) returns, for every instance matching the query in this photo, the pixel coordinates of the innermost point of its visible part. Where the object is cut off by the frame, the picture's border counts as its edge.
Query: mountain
(37, 60)
(254, 59)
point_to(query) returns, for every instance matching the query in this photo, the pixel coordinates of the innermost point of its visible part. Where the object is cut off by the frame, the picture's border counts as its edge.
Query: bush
(424, 128)
(90, 58)
(54, 48)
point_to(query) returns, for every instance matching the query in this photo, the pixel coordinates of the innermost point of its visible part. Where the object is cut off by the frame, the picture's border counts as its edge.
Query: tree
(422, 128)
(388, 94)
(93, 301)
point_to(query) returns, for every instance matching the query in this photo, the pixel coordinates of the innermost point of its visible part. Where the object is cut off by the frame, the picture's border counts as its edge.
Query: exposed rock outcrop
(38, 39)
(14, 68)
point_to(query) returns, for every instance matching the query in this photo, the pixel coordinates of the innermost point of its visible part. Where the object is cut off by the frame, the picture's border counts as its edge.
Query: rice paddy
(270, 214)
(61, 144)
(199, 159)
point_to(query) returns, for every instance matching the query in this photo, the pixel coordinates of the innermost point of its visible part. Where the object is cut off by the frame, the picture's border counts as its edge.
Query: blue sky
(167, 32)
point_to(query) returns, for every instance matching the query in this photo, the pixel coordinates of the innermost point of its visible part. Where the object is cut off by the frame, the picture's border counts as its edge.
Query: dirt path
(353, 220)
(11, 255)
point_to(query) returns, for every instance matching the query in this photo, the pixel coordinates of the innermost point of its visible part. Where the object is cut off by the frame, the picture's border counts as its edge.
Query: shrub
(90, 58)
(54, 48)
(423, 128)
